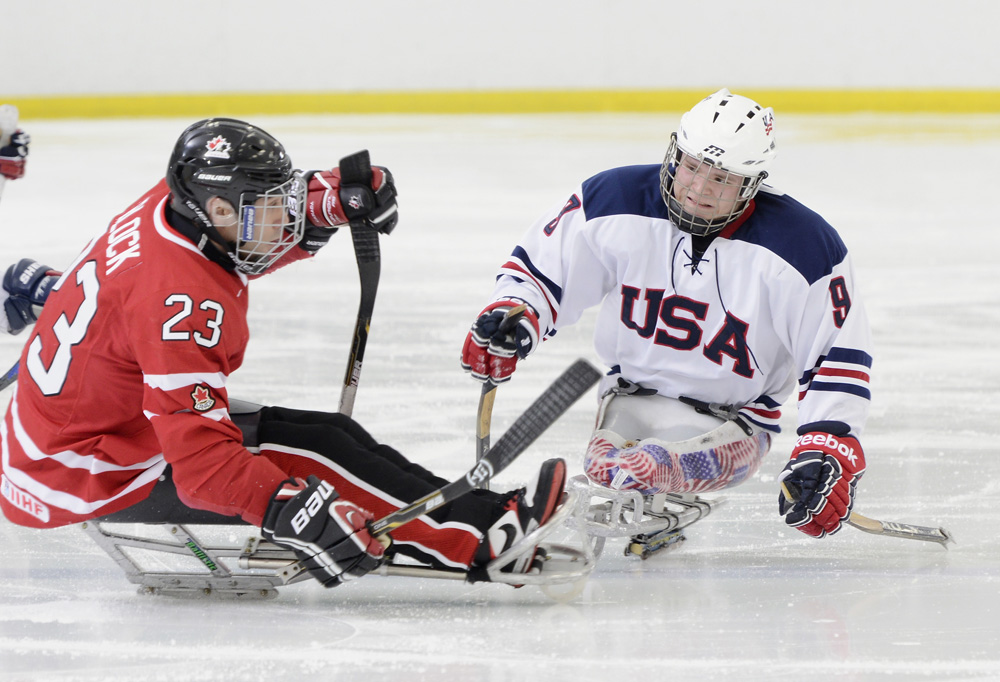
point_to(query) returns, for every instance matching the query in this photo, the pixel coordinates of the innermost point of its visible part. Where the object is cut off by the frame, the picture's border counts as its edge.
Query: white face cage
(270, 224)
(702, 197)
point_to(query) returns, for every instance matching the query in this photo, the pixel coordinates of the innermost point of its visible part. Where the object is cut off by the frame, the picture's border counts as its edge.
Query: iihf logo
(203, 400)
(218, 147)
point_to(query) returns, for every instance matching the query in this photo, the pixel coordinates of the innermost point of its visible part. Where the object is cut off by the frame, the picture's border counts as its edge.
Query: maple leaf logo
(218, 147)
(203, 400)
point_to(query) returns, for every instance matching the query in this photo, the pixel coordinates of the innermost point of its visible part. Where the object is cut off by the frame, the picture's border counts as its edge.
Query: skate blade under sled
(222, 561)
(651, 522)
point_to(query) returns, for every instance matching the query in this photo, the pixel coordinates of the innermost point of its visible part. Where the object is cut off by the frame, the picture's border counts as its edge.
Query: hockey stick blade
(547, 408)
(905, 531)
(892, 529)
(356, 169)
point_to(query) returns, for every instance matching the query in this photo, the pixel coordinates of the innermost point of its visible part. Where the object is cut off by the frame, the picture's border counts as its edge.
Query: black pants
(372, 475)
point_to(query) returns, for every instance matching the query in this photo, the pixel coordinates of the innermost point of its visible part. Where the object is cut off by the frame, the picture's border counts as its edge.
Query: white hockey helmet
(723, 132)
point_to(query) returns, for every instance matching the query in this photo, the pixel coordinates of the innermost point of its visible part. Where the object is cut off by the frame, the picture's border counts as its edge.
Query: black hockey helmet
(240, 163)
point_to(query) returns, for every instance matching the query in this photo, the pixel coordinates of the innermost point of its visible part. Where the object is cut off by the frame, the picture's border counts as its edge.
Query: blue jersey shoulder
(629, 190)
(795, 233)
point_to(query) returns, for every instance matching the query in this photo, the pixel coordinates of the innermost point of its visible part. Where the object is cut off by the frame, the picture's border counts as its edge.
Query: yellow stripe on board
(499, 102)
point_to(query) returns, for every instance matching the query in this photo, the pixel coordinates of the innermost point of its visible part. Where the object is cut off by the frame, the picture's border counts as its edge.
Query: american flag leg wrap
(652, 466)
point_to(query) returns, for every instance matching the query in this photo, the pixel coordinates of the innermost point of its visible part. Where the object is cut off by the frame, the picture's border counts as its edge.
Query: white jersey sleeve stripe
(170, 382)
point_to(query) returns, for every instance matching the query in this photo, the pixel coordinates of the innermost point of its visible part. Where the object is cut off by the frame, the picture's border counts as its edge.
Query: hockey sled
(651, 522)
(215, 557)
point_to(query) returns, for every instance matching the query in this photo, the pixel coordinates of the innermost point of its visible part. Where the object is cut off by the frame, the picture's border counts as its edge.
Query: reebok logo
(830, 442)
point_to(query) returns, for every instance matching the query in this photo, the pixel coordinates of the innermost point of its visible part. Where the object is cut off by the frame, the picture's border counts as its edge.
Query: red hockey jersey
(124, 373)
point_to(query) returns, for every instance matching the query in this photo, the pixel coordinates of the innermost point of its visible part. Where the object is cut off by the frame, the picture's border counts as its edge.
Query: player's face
(257, 228)
(263, 226)
(705, 191)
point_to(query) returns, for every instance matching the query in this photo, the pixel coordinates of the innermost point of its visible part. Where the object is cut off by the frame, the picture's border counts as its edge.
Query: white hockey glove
(328, 535)
(26, 285)
(822, 474)
(491, 353)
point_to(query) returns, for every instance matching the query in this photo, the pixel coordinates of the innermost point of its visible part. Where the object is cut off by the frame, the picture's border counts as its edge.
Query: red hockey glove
(823, 473)
(491, 351)
(14, 155)
(26, 285)
(330, 205)
(329, 535)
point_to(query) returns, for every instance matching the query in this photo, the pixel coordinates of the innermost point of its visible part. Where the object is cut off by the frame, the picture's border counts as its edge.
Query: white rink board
(258, 46)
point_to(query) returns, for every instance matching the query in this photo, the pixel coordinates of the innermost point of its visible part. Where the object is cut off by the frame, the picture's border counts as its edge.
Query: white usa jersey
(771, 307)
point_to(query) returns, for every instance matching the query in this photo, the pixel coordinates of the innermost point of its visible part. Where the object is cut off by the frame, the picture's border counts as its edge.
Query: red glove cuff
(323, 207)
(11, 168)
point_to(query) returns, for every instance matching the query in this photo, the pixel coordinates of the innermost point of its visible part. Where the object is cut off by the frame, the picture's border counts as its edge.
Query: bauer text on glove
(329, 535)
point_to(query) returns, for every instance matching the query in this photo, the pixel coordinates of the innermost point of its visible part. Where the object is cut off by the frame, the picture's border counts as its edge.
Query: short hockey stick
(485, 413)
(893, 529)
(357, 169)
(10, 376)
(542, 413)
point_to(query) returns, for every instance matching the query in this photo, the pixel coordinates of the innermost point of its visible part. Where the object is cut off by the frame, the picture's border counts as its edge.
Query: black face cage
(692, 224)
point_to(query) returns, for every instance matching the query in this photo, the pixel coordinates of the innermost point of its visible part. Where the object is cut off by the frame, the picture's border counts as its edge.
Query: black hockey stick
(357, 169)
(485, 413)
(11, 376)
(893, 529)
(542, 413)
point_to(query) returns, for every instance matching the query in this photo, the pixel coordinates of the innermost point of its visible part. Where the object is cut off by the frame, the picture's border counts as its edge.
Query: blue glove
(26, 285)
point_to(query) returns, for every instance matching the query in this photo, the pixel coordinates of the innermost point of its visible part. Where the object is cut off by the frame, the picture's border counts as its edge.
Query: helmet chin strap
(204, 236)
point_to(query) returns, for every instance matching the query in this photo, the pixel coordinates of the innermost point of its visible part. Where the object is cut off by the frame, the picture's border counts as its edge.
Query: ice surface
(743, 598)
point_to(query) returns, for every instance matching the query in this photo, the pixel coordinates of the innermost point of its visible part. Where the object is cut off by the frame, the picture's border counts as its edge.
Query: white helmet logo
(218, 148)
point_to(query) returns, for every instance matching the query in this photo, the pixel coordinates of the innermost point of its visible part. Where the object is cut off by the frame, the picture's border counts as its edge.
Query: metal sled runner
(210, 559)
(652, 522)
